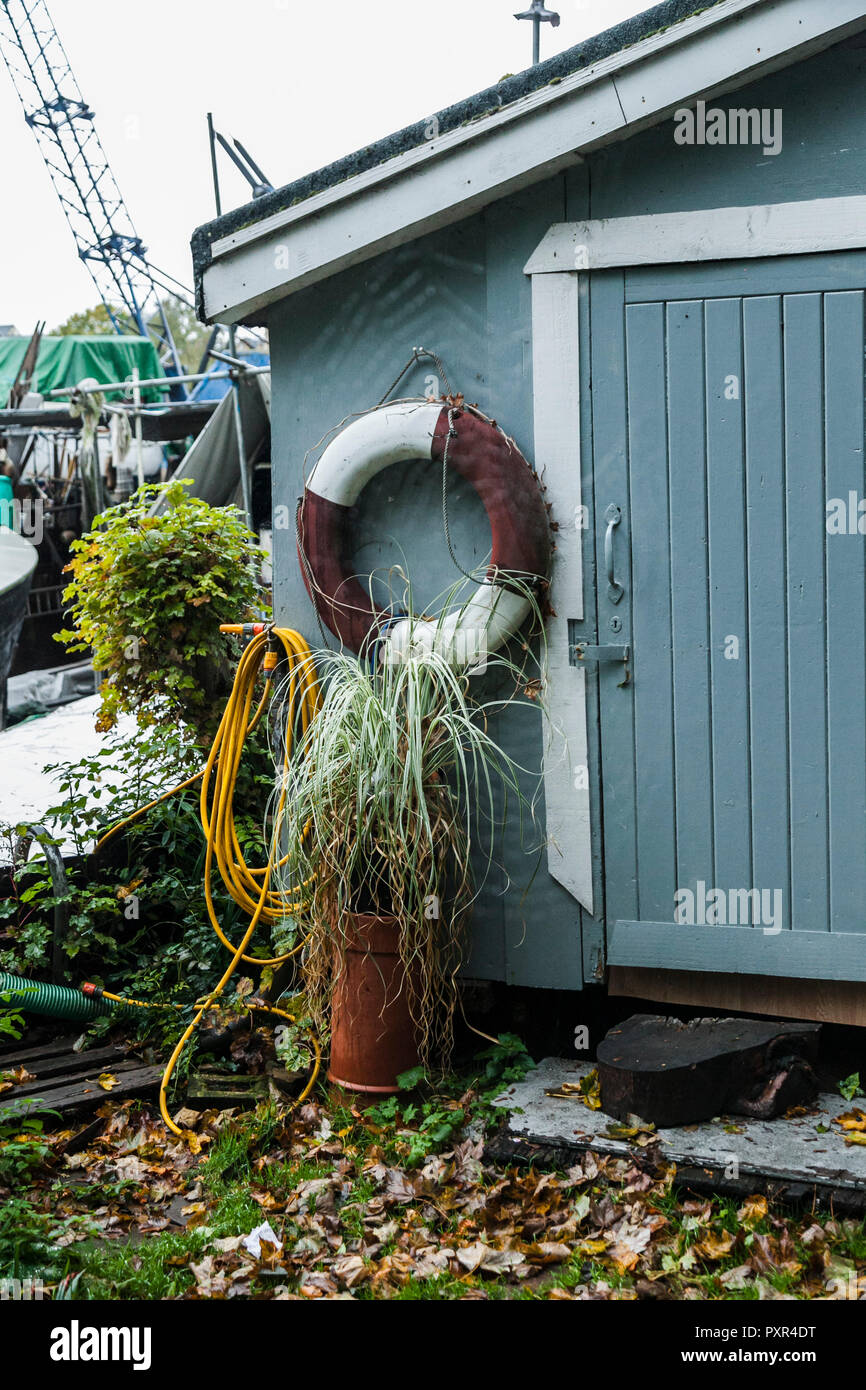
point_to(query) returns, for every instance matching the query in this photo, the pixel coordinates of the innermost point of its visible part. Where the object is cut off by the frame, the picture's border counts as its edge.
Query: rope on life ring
(482, 454)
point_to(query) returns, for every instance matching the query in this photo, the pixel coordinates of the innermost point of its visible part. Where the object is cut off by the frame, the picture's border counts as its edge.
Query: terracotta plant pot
(373, 1038)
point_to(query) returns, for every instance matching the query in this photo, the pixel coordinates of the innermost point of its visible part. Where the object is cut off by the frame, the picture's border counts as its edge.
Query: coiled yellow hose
(249, 887)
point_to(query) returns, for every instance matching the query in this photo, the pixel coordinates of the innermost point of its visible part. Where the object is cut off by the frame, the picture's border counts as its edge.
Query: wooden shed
(646, 258)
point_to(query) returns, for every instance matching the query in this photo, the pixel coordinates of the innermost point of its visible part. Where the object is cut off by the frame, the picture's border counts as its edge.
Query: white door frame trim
(707, 234)
(556, 412)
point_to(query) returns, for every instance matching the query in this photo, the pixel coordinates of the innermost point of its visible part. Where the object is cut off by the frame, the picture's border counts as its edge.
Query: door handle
(613, 516)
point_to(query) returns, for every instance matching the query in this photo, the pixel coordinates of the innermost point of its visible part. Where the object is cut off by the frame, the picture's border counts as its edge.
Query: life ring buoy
(482, 454)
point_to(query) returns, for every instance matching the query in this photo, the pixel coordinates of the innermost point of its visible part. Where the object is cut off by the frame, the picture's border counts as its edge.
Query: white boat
(17, 563)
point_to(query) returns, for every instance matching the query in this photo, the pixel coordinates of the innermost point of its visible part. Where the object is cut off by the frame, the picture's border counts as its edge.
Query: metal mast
(63, 123)
(538, 15)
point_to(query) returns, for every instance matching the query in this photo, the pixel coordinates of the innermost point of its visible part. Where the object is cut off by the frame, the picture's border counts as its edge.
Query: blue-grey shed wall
(336, 347)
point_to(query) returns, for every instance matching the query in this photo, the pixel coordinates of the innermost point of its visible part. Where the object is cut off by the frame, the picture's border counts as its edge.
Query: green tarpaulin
(64, 361)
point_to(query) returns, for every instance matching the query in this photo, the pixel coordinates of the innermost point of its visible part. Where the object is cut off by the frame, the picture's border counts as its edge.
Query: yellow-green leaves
(147, 595)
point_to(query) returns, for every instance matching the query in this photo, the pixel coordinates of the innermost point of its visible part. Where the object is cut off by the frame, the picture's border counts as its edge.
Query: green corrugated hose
(57, 1001)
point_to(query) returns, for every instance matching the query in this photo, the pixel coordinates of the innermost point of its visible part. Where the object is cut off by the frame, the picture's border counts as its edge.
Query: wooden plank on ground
(87, 1074)
(83, 1093)
(22, 1055)
(67, 1082)
(68, 1063)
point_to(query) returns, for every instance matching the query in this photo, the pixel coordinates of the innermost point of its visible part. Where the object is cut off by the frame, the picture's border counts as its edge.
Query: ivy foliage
(137, 922)
(147, 596)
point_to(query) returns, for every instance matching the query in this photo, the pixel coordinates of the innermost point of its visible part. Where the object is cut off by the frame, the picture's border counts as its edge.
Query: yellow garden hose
(249, 887)
(131, 1003)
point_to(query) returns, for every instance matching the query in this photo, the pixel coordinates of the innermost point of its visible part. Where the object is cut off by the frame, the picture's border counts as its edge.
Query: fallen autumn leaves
(324, 1204)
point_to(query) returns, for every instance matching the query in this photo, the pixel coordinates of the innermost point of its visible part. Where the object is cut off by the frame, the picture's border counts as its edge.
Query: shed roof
(472, 108)
(604, 88)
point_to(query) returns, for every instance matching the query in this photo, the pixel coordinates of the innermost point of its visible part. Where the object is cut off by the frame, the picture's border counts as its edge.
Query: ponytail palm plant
(392, 809)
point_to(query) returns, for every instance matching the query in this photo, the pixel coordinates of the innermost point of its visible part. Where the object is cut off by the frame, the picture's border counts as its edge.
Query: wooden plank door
(729, 431)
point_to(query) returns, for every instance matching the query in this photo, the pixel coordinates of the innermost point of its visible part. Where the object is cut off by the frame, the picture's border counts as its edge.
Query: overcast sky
(299, 82)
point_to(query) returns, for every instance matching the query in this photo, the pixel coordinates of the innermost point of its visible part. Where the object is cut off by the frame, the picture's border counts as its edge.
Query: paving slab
(788, 1156)
(65, 735)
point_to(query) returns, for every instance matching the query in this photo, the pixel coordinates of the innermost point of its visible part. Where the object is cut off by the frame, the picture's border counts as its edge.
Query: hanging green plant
(147, 595)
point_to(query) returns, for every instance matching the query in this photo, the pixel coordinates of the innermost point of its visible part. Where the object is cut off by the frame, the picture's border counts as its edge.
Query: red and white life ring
(482, 454)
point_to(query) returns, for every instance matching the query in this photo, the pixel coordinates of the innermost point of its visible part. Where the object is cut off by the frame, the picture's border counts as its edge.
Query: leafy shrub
(148, 594)
(21, 1144)
(419, 1126)
(26, 1243)
(11, 1021)
(138, 922)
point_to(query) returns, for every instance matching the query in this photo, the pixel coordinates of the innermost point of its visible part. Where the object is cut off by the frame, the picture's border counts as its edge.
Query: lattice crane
(63, 123)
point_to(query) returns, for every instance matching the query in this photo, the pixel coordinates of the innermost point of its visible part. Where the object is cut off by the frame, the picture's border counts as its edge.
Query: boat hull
(17, 563)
